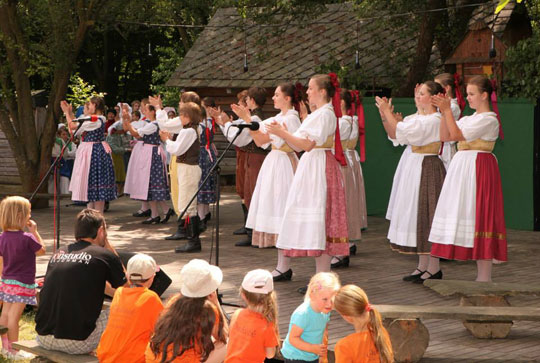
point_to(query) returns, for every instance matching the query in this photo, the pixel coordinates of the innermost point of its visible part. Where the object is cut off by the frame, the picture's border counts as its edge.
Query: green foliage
(349, 76)
(170, 60)
(522, 66)
(80, 91)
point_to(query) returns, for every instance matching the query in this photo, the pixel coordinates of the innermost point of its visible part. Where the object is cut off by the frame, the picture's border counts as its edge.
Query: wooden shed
(483, 49)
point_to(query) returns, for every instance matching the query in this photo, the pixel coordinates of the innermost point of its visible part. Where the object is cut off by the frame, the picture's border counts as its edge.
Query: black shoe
(169, 214)
(181, 232)
(140, 213)
(155, 220)
(243, 243)
(190, 247)
(302, 290)
(283, 276)
(435, 276)
(240, 231)
(413, 277)
(247, 241)
(207, 217)
(194, 243)
(202, 225)
(106, 208)
(352, 250)
(342, 262)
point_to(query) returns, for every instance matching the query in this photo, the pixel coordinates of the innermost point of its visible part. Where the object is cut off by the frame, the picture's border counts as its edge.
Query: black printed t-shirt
(73, 291)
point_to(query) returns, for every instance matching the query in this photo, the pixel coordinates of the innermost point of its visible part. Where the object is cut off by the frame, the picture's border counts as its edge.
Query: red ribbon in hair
(336, 102)
(495, 107)
(368, 307)
(459, 95)
(358, 109)
(298, 90)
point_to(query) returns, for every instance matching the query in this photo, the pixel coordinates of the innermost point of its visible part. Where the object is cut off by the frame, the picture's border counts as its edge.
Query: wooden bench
(474, 293)
(410, 337)
(33, 347)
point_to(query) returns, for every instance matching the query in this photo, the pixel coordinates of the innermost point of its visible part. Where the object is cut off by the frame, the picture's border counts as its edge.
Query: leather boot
(181, 232)
(243, 229)
(246, 241)
(194, 242)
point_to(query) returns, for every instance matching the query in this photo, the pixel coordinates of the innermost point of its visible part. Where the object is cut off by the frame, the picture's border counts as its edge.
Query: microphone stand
(55, 165)
(215, 169)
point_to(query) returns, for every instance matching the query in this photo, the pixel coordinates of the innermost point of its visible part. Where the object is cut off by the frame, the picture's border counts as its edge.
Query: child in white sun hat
(192, 327)
(254, 333)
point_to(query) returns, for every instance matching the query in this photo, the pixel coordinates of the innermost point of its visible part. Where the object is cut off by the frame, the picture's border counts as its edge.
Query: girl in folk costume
(132, 185)
(358, 136)
(450, 83)
(240, 168)
(255, 155)
(174, 126)
(315, 218)
(186, 147)
(353, 201)
(417, 182)
(152, 174)
(275, 177)
(93, 179)
(469, 219)
(207, 158)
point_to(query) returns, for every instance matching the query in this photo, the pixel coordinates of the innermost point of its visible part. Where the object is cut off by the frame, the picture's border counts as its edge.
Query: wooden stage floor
(375, 268)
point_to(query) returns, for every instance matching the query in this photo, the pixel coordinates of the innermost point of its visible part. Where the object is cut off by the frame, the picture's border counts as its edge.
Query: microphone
(254, 126)
(82, 120)
(92, 118)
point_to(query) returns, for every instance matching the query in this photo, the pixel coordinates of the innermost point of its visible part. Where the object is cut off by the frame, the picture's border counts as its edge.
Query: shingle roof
(485, 14)
(296, 52)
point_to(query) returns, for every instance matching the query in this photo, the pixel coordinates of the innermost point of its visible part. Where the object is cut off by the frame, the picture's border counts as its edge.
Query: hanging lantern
(149, 49)
(492, 50)
(245, 63)
(357, 60)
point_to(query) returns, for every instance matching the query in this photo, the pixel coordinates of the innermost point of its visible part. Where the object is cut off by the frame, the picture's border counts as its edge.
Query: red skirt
(337, 236)
(490, 229)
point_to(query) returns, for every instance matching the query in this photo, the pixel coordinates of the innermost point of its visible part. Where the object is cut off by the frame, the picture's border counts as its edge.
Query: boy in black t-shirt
(70, 316)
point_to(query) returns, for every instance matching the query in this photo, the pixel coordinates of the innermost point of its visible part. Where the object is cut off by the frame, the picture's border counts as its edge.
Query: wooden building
(483, 49)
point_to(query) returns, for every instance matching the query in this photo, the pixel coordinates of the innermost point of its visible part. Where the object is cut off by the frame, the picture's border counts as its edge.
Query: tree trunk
(424, 47)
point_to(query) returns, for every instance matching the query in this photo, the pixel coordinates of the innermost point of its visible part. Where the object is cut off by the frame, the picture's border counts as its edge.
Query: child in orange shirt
(370, 343)
(254, 334)
(134, 311)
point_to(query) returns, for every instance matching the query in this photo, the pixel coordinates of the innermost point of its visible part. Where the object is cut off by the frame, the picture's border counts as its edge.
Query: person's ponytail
(382, 342)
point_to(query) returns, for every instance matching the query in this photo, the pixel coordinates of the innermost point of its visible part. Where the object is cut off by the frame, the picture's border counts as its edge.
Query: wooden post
(486, 329)
(410, 339)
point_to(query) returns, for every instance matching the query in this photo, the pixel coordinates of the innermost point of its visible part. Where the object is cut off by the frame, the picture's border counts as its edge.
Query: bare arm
(32, 227)
(390, 124)
(260, 138)
(297, 342)
(449, 130)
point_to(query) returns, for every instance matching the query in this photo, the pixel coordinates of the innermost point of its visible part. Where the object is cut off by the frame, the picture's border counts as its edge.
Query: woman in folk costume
(152, 180)
(358, 136)
(275, 177)
(92, 179)
(207, 158)
(457, 104)
(469, 220)
(132, 185)
(315, 219)
(352, 195)
(186, 147)
(418, 180)
(254, 155)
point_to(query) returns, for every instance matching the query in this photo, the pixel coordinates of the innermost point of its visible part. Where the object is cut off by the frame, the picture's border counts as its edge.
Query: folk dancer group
(443, 204)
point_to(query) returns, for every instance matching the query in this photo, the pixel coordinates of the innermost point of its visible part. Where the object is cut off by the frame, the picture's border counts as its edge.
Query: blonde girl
(254, 334)
(18, 250)
(370, 342)
(307, 338)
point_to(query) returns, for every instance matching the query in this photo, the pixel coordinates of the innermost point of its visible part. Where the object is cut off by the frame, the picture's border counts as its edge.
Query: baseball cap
(199, 279)
(258, 281)
(141, 267)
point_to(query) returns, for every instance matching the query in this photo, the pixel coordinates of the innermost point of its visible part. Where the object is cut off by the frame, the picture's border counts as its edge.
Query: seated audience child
(254, 334)
(191, 328)
(370, 343)
(133, 314)
(307, 338)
